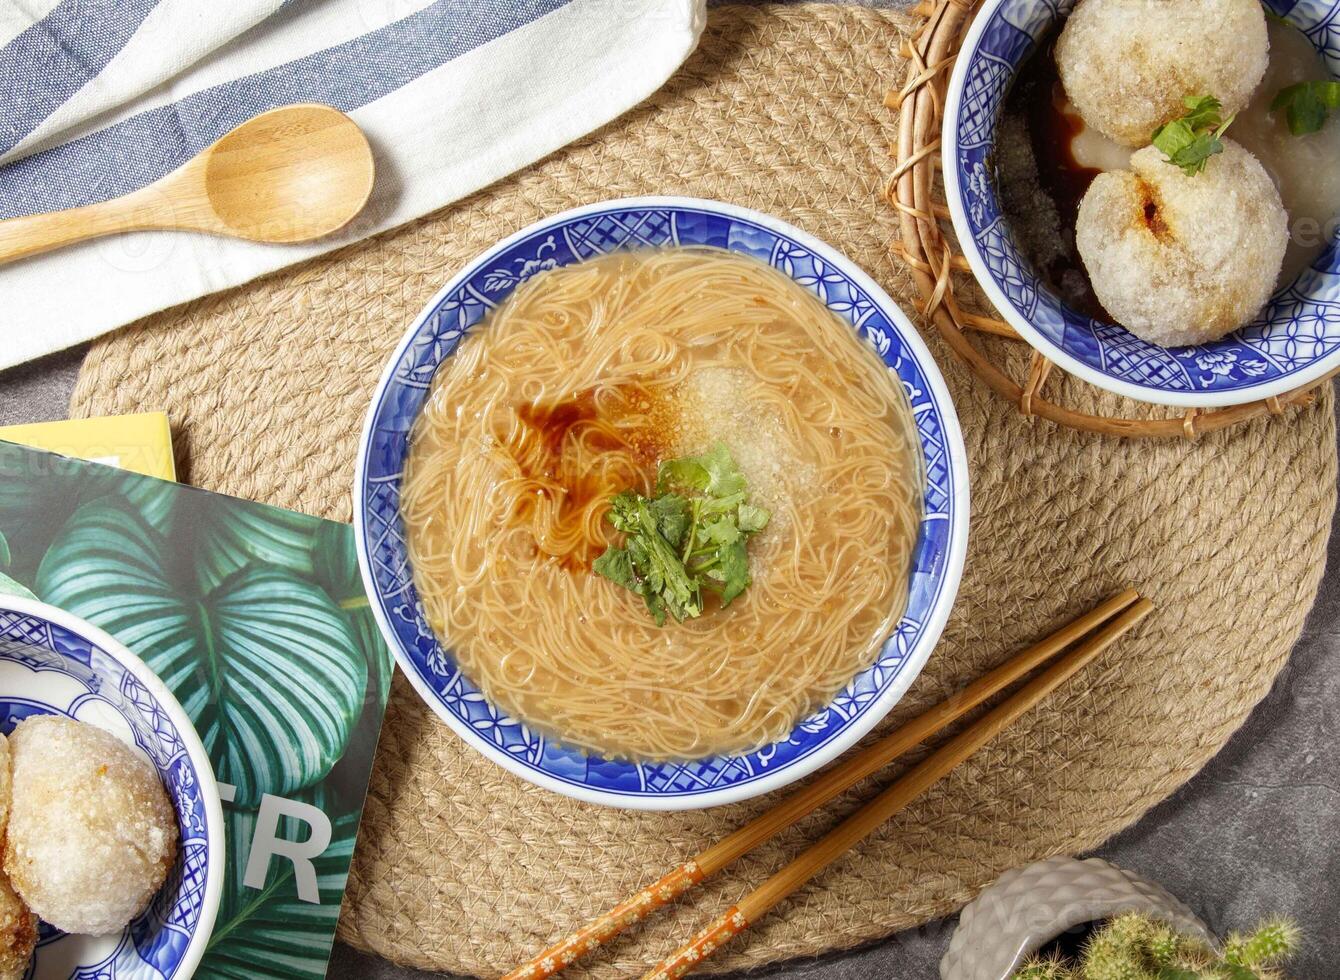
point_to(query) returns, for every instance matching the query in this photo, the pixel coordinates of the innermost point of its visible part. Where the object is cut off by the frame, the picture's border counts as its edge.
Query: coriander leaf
(616, 565)
(1327, 91)
(673, 517)
(623, 511)
(1203, 112)
(726, 476)
(1192, 157)
(685, 472)
(722, 505)
(639, 554)
(685, 539)
(1191, 140)
(665, 570)
(1173, 137)
(722, 531)
(656, 606)
(714, 473)
(1307, 114)
(753, 518)
(734, 571)
(683, 610)
(1306, 105)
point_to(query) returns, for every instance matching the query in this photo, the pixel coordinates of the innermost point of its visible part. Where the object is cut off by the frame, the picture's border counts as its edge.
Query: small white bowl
(52, 662)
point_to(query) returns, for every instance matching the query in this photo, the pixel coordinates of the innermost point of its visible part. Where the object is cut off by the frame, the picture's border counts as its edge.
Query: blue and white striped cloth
(100, 97)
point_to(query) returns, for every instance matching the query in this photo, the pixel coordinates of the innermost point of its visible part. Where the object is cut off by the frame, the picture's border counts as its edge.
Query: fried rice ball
(6, 782)
(18, 933)
(1179, 258)
(18, 926)
(92, 833)
(1127, 64)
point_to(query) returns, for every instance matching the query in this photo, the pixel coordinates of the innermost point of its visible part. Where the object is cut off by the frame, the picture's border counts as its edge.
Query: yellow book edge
(139, 443)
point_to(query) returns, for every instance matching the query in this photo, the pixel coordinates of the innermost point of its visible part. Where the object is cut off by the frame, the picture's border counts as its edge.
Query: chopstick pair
(1115, 616)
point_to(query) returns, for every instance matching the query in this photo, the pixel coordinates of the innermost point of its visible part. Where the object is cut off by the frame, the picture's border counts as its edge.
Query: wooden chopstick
(907, 788)
(857, 767)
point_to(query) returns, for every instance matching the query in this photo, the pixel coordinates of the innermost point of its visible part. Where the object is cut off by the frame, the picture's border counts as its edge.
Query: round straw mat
(463, 867)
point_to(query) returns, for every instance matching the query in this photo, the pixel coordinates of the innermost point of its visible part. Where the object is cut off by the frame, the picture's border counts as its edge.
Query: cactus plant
(1134, 946)
(1043, 969)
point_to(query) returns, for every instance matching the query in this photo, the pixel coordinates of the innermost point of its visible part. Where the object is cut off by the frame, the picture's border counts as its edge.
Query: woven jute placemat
(463, 867)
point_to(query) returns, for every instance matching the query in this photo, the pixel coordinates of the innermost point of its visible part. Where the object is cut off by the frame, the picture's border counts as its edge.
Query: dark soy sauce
(1040, 181)
(543, 446)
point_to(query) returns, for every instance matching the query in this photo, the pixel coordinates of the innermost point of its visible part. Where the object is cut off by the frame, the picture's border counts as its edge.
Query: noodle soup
(573, 390)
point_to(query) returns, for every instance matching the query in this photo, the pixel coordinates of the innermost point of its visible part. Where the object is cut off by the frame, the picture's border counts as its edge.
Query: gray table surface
(1254, 833)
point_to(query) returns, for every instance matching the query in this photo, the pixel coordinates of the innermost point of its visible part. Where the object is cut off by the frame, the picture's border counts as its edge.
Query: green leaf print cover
(256, 618)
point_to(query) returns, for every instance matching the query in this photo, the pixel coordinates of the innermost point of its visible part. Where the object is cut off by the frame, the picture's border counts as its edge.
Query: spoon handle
(35, 233)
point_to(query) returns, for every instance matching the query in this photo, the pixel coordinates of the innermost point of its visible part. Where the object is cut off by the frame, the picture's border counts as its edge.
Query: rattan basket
(927, 246)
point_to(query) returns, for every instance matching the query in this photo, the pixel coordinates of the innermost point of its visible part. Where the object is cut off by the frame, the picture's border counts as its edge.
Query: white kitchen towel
(100, 97)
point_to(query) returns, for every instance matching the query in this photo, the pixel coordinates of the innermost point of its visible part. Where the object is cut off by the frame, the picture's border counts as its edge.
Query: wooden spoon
(289, 175)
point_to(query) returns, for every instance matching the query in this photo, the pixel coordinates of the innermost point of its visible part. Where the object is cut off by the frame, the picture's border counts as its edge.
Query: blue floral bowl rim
(208, 784)
(933, 626)
(959, 217)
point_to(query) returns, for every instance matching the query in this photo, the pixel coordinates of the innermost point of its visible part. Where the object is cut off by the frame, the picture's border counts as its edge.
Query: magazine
(257, 620)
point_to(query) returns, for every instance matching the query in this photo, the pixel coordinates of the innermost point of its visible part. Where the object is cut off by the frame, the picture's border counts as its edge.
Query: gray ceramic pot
(1029, 907)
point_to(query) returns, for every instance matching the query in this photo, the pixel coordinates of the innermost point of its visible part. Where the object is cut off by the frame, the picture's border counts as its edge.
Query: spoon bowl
(289, 175)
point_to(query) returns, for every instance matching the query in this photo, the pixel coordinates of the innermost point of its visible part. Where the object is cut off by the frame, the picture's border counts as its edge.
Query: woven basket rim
(927, 248)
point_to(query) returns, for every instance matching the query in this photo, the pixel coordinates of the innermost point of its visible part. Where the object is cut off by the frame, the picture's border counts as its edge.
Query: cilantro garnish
(1191, 140)
(689, 538)
(1306, 105)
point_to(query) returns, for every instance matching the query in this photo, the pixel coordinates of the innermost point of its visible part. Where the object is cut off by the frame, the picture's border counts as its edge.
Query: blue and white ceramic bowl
(54, 663)
(1296, 338)
(571, 237)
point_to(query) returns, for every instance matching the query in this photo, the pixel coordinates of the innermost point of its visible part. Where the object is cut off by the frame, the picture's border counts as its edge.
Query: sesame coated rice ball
(1127, 64)
(1181, 258)
(91, 833)
(18, 933)
(18, 926)
(6, 782)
